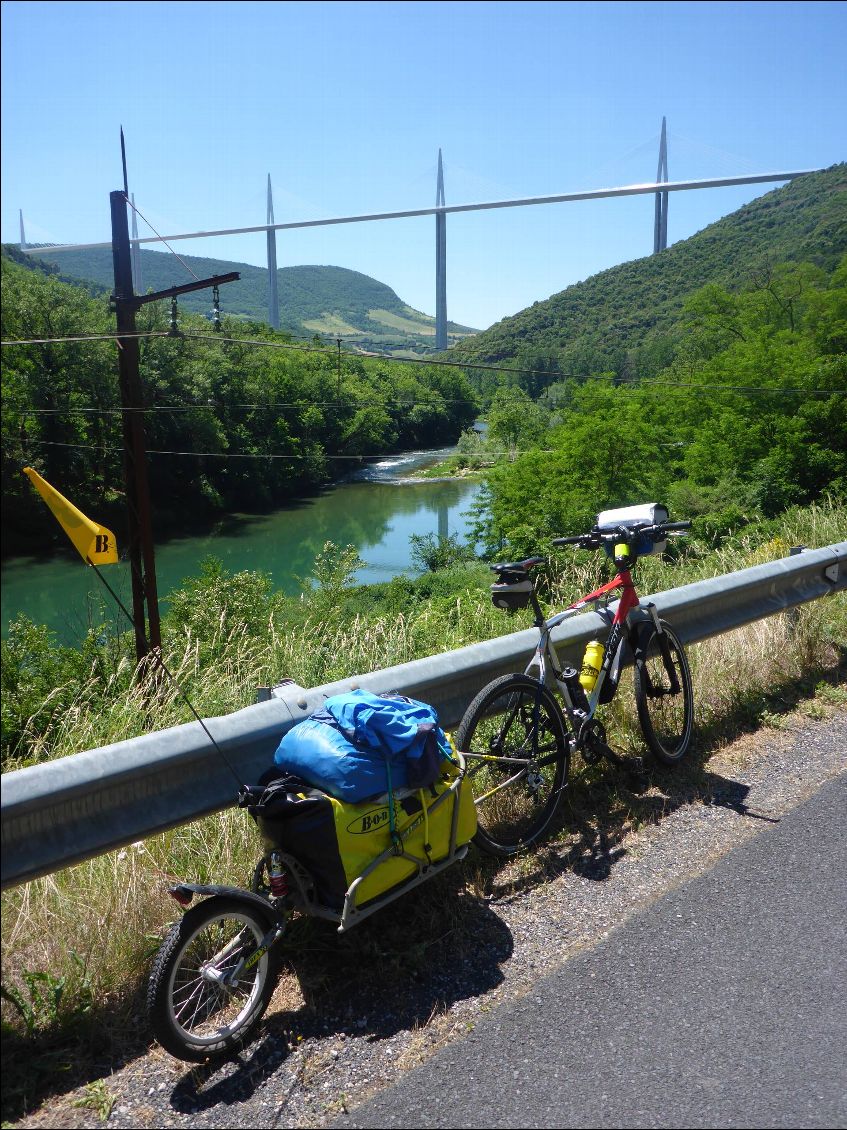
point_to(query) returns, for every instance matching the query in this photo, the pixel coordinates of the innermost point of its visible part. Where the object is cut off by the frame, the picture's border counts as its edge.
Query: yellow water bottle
(591, 664)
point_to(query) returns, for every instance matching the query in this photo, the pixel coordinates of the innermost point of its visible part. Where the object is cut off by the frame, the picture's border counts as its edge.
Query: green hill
(624, 320)
(329, 301)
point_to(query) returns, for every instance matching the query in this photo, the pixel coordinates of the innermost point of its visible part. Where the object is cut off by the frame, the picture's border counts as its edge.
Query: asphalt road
(722, 1004)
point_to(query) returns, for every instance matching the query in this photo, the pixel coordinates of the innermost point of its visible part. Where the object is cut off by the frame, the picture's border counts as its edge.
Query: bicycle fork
(653, 691)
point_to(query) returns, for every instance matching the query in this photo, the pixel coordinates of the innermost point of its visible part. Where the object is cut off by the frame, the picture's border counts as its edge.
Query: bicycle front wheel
(664, 697)
(196, 1014)
(514, 740)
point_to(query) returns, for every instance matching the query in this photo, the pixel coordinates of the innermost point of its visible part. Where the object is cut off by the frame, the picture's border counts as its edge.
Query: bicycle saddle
(518, 566)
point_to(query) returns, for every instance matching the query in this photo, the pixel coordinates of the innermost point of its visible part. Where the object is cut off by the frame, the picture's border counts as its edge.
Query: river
(377, 510)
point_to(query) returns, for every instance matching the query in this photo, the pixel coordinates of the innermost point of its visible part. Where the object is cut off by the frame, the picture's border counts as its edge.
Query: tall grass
(77, 944)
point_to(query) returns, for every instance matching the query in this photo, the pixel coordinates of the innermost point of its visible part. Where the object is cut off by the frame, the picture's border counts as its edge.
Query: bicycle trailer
(357, 857)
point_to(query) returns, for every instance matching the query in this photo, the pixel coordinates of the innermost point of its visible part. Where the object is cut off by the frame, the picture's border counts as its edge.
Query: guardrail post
(792, 615)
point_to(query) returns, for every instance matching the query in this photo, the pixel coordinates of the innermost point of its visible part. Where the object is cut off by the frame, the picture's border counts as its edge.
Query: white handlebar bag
(633, 517)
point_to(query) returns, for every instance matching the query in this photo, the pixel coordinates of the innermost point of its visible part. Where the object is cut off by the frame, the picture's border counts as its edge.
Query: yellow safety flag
(95, 544)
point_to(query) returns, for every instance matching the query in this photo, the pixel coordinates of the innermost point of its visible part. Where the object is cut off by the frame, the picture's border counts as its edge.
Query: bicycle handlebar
(569, 541)
(595, 538)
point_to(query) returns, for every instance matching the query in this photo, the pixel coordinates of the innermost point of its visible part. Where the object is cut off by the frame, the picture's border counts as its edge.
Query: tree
(433, 552)
(515, 420)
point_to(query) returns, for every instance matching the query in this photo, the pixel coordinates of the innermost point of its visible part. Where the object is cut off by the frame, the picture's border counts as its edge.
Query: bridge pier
(273, 293)
(440, 263)
(660, 224)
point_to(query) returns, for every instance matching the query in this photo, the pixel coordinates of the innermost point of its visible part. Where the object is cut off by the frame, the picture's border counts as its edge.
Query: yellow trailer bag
(337, 841)
(423, 827)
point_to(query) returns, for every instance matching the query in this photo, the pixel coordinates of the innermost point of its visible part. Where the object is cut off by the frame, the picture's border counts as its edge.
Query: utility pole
(660, 225)
(140, 529)
(125, 303)
(440, 262)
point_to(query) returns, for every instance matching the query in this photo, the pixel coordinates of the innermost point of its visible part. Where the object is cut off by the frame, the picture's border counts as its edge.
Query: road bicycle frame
(622, 626)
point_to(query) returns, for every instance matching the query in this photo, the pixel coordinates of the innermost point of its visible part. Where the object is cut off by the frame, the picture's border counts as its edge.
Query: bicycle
(518, 741)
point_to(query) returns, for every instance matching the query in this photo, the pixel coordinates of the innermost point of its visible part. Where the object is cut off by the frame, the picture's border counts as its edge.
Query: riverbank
(455, 467)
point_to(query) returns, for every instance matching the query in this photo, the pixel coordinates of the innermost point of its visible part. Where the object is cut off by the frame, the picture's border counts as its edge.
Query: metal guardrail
(69, 810)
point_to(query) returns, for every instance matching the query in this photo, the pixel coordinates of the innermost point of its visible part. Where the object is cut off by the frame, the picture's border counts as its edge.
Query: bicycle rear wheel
(514, 739)
(664, 697)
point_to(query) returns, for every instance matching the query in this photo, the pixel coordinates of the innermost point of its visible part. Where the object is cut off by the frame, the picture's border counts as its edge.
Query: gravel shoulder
(485, 937)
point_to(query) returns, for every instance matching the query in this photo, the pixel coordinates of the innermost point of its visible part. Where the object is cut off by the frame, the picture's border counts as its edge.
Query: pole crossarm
(74, 808)
(591, 194)
(184, 288)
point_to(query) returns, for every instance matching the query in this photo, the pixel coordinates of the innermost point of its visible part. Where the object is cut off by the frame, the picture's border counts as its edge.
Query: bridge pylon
(273, 292)
(135, 250)
(440, 262)
(660, 223)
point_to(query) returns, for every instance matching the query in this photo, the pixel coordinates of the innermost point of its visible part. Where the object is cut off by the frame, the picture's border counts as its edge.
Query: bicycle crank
(593, 746)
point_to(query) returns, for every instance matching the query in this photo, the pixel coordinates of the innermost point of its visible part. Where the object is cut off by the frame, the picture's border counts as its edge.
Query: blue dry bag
(361, 745)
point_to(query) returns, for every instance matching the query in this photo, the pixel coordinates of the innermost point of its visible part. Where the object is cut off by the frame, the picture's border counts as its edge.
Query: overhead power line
(271, 455)
(86, 337)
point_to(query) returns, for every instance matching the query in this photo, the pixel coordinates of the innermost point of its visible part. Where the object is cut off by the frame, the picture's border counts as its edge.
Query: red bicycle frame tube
(628, 600)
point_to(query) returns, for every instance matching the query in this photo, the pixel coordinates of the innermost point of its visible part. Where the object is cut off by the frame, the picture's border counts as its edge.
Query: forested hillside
(626, 320)
(329, 301)
(230, 425)
(748, 419)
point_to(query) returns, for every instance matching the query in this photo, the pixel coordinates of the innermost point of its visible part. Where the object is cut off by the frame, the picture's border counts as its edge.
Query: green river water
(377, 512)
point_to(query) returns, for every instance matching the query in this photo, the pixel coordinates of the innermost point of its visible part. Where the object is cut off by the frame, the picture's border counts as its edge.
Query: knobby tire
(666, 718)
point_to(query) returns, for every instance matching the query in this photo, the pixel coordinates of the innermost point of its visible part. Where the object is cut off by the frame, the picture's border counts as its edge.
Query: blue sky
(347, 104)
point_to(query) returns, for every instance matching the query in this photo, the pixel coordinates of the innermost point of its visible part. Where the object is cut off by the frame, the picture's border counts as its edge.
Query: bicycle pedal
(591, 755)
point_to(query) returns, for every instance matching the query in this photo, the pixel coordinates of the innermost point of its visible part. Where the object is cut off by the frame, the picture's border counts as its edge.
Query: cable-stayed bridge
(661, 188)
